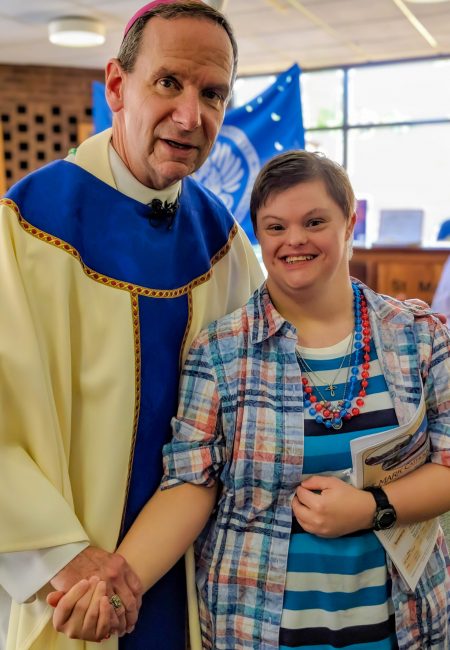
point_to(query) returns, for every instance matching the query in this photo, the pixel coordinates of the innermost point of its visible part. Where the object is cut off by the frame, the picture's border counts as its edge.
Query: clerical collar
(130, 186)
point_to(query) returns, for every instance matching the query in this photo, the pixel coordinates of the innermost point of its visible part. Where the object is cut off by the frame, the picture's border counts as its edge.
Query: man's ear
(114, 82)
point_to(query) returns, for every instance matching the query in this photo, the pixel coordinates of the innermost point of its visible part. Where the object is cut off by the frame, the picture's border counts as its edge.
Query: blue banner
(251, 134)
(101, 113)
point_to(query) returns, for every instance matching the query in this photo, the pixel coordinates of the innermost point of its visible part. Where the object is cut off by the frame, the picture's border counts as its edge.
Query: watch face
(385, 518)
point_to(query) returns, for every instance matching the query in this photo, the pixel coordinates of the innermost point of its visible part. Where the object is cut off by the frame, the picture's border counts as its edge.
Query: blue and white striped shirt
(338, 590)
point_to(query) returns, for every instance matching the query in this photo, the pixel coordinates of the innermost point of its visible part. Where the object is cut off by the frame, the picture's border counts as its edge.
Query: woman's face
(304, 239)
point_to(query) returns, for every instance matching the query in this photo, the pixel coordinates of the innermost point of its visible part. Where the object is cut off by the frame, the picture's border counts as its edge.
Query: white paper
(383, 457)
(410, 547)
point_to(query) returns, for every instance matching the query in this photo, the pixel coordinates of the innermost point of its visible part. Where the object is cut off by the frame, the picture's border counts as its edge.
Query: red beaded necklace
(332, 414)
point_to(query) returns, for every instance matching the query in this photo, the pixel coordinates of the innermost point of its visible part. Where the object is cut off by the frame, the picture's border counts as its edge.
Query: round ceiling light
(76, 31)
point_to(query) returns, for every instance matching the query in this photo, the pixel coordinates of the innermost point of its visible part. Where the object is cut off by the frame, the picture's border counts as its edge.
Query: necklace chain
(332, 414)
(331, 385)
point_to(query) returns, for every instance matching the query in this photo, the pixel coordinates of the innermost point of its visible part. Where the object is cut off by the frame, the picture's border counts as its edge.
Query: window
(322, 99)
(331, 143)
(248, 88)
(388, 124)
(398, 139)
(402, 167)
(402, 92)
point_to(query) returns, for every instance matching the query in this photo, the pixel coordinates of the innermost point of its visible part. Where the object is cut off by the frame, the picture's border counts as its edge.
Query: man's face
(169, 109)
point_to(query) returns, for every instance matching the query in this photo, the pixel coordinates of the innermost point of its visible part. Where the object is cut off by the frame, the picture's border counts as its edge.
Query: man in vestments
(111, 261)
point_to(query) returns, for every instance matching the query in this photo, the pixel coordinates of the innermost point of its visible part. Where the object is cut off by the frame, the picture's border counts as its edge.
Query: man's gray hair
(131, 43)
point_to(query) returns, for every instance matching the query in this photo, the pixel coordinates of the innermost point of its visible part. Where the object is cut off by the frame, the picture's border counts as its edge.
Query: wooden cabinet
(401, 272)
(2, 165)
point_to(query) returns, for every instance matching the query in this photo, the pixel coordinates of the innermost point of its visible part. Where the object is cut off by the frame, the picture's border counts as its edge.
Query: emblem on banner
(231, 169)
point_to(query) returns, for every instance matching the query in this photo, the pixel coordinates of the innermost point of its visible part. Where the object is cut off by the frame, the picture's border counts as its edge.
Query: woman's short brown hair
(294, 167)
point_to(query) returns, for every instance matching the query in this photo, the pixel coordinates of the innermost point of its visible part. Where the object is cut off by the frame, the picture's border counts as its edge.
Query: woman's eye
(314, 223)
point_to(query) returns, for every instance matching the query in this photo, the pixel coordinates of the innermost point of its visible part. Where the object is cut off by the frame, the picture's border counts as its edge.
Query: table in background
(402, 272)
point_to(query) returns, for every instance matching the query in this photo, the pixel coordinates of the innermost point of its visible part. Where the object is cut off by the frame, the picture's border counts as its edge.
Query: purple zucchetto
(140, 12)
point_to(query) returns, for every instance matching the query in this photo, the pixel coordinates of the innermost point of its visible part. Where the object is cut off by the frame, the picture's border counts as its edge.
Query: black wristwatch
(385, 515)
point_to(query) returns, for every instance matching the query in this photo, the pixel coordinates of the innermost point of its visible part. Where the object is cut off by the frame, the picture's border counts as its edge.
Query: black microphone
(161, 214)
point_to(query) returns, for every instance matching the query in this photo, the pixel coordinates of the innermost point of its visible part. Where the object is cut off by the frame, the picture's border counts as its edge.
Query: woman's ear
(349, 235)
(114, 83)
(350, 226)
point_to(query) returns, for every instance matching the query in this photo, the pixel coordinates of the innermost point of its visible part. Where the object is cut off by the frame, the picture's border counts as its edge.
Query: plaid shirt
(240, 421)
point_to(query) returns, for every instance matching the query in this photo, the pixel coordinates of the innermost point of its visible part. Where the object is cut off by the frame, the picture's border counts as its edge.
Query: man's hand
(111, 568)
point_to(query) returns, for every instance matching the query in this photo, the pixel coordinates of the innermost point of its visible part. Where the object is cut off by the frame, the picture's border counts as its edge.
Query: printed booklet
(380, 458)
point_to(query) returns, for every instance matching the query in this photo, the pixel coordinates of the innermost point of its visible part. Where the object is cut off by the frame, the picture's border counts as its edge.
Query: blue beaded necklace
(332, 414)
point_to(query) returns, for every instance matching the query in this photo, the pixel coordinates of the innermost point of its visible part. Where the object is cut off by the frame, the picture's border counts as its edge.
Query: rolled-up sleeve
(197, 450)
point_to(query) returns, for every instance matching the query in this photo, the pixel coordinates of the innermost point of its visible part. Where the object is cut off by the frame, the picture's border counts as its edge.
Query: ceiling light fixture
(76, 31)
(415, 22)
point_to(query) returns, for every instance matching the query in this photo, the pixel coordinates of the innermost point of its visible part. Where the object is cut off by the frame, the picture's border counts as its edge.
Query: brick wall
(43, 112)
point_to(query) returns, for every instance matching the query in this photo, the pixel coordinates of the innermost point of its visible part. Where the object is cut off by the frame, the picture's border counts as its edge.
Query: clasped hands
(84, 587)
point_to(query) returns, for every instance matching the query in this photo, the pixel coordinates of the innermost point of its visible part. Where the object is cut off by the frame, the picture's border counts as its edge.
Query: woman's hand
(84, 612)
(328, 507)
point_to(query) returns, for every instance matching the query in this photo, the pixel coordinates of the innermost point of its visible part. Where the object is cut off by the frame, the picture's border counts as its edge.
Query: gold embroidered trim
(112, 282)
(137, 401)
(187, 330)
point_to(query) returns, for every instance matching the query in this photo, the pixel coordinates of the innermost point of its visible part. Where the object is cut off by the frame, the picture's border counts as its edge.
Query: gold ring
(115, 601)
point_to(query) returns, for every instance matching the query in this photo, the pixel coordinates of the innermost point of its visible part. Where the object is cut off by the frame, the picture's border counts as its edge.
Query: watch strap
(385, 515)
(379, 495)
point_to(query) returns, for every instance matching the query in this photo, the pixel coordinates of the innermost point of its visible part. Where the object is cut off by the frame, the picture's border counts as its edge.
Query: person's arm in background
(441, 298)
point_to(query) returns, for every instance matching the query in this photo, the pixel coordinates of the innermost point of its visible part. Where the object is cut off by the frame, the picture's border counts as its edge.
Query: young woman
(270, 398)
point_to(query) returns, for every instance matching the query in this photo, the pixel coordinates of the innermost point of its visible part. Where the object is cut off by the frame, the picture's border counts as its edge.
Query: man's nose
(187, 112)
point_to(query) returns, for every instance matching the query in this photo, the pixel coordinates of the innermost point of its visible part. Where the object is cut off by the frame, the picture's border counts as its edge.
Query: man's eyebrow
(163, 71)
(223, 88)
